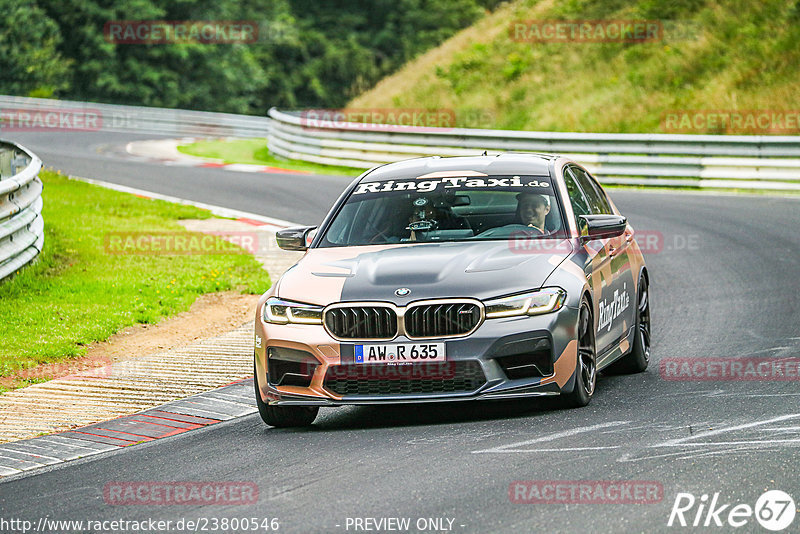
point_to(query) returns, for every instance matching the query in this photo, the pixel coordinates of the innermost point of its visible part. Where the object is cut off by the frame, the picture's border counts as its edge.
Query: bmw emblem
(402, 292)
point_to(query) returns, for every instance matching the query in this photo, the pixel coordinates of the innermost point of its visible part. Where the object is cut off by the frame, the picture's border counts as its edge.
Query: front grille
(447, 319)
(362, 322)
(419, 378)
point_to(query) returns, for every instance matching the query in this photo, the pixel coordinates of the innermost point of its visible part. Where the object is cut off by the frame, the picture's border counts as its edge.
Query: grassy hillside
(733, 55)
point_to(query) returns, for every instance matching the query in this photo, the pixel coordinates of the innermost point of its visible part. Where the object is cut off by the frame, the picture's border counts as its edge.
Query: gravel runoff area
(138, 382)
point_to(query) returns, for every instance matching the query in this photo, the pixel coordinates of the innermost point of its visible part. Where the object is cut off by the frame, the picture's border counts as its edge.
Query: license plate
(400, 353)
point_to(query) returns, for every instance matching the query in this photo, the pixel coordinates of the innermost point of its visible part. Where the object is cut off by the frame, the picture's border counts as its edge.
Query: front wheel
(586, 366)
(283, 416)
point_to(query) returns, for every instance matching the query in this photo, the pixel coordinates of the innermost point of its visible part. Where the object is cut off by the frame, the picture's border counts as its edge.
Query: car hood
(430, 270)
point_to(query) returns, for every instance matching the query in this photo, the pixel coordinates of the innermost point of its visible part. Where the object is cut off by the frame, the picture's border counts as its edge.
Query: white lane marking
(755, 395)
(565, 449)
(690, 455)
(552, 437)
(682, 455)
(742, 442)
(676, 442)
(694, 393)
(216, 210)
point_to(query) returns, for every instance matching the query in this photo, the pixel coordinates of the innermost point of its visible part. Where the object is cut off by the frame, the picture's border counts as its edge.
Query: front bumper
(502, 350)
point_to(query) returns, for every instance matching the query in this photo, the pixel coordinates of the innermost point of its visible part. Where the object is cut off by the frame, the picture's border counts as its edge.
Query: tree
(30, 63)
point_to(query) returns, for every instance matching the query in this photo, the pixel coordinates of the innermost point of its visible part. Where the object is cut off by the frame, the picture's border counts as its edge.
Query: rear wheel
(637, 359)
(586, 366)
(284, 416)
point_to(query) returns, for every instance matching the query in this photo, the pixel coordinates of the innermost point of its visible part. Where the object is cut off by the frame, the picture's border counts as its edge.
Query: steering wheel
(379, 233)
(511, 229)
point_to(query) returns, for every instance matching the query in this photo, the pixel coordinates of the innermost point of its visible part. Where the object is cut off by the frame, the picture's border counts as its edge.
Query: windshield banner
(540, 183)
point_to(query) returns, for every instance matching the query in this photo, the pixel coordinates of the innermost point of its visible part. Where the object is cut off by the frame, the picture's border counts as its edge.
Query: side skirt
(615, 352)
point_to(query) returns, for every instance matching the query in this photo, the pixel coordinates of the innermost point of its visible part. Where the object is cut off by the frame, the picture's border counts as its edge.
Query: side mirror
(601, 226)
(295, 238)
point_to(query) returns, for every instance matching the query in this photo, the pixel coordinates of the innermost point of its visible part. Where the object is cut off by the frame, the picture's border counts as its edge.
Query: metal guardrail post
(6, 155)
(18, 162)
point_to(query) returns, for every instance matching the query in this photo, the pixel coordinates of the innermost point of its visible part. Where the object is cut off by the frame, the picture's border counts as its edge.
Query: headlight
(279, 311)
(545, 300)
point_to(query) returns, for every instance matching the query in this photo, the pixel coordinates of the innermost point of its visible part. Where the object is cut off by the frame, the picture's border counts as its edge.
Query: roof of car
(499, 165)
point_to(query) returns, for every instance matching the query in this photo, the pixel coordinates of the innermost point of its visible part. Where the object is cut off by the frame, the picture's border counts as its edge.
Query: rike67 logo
(774, 510)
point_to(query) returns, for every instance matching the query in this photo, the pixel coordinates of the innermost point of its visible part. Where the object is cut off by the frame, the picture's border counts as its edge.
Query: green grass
(254, 151)
(739, 55)
(76, 293)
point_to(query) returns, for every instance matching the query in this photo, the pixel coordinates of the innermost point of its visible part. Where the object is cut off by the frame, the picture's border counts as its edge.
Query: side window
(579, 204)
(594, 195)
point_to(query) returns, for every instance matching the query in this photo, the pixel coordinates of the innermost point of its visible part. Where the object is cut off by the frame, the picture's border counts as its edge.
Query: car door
(616, 306)
(595, 256)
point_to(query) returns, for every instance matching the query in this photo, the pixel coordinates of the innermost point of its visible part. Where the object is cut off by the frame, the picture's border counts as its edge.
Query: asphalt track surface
(724, 284)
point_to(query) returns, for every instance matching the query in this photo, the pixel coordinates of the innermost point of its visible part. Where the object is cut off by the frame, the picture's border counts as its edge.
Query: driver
(532, 209)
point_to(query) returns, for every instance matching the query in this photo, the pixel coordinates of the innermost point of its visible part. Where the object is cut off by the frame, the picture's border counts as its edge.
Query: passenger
(532, 209)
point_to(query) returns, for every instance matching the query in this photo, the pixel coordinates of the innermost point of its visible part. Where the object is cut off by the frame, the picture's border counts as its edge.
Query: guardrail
(22, 113)
(21, 224)
(713, 161)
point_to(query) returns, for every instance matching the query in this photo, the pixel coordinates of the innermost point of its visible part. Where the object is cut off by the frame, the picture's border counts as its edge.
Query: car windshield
(451, 208)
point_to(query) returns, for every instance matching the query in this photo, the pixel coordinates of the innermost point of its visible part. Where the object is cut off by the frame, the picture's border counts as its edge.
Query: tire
(638, 358)
(283, 416)
(586, 364)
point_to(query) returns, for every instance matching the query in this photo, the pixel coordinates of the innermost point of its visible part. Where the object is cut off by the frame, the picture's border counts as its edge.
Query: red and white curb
(170, 419)
(165, 151)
